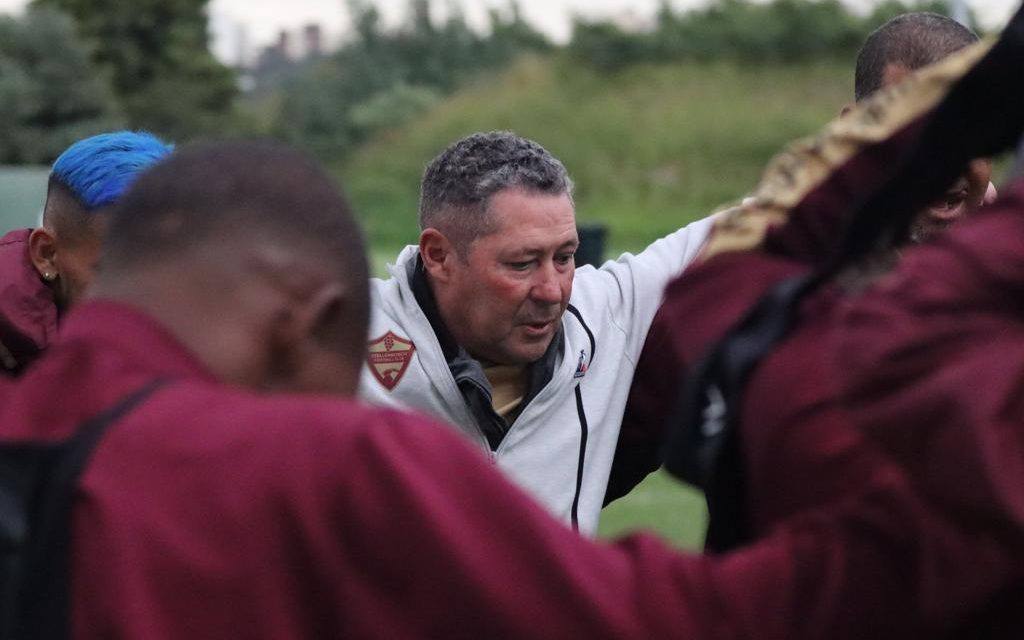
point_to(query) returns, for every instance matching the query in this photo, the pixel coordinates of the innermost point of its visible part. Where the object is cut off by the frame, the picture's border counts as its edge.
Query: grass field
(660, 504)
(650, 149)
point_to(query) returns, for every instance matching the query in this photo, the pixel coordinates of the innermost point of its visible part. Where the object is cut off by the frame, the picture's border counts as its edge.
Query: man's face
(504, 300)
(965, 195)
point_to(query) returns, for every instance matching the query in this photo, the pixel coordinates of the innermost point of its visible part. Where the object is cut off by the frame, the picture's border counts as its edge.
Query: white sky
(260, 20)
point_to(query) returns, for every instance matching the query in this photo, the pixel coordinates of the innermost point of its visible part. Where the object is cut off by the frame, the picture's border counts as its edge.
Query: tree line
(70, 68)
(742, 30)
(382, 77)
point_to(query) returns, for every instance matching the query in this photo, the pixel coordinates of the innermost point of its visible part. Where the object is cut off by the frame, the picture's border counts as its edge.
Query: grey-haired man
(488, 325)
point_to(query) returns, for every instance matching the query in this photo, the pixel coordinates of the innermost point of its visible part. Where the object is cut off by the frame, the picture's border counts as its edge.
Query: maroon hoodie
(212, 512)
(28, 313)
(806, 456)
(934, 370)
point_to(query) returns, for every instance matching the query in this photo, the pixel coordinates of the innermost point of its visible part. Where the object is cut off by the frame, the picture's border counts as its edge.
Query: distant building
(283, 46)
(313, 41)
(633, 21)
(279, 61)
(243, 51)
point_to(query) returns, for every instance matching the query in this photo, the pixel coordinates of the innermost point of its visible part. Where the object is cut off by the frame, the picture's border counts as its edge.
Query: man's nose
(548, 285)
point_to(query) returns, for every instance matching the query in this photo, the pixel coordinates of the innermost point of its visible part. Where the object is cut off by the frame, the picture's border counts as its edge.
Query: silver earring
(49, 276)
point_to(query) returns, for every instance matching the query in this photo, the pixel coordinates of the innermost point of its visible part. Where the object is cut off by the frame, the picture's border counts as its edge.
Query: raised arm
(434, 543)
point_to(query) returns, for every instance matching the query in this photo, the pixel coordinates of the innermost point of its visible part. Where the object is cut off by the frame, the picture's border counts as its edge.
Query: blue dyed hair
(99, 169)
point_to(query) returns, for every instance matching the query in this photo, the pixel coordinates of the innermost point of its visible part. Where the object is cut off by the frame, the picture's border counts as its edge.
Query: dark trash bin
(592, 239)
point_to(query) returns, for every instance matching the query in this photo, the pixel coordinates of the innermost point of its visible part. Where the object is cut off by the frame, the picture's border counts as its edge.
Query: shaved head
(236, 193)
(65, 214)
(907, 42)
(245, 236)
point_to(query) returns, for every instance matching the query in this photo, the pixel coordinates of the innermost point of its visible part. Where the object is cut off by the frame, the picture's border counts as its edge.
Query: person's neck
(225, 342)
(423, 291)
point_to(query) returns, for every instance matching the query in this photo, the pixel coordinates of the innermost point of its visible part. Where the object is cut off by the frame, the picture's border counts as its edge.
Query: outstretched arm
(434, 543)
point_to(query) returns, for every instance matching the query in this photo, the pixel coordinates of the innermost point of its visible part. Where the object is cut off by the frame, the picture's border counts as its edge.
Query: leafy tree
(157, 55)
(891, 8)
(744, 30)
(50, 91)
(383, 78)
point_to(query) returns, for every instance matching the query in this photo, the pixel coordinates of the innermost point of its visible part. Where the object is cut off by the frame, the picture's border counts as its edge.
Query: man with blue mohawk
(44, 271)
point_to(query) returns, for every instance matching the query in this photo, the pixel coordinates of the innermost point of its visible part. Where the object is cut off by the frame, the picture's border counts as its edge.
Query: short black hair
(911, 40)
(458, 184)
(218, 191)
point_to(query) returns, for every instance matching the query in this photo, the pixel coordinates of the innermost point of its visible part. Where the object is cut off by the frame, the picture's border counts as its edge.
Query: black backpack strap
(703, 436)
(44, 612)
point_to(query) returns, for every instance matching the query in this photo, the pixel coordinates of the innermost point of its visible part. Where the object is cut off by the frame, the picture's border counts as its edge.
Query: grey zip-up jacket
(560, 446)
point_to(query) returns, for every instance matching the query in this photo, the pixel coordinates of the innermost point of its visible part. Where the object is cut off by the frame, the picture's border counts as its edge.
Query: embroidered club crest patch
(389, 357)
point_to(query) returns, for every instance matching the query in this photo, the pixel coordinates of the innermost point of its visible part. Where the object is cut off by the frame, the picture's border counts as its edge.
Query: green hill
(650, 148)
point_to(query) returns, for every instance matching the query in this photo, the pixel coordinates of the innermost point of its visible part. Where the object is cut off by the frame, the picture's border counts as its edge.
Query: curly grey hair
(458, 184)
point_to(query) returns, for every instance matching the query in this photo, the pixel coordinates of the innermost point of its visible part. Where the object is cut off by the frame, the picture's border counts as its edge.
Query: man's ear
(437, 253)
(310, 344)
(42, 250)
(317, 316)
(847, 108)
(323, 315)
(300, 329)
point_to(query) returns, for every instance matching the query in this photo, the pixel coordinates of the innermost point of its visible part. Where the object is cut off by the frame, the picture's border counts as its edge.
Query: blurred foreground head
(249, 254)
(84, 182)
(899, 47)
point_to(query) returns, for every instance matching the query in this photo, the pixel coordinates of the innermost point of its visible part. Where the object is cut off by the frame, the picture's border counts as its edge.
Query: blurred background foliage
(155, 54)
(755, 33)
(50, 91)
(71, 67)
(658, 125)
(384, 78)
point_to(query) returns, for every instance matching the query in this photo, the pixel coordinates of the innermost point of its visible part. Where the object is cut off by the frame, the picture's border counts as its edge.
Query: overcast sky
(255, 23)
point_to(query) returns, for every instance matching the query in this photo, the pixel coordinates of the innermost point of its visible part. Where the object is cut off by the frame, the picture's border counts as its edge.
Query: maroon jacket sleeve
(935, 362)
(435, 543)
(28, 313)
(699, 307)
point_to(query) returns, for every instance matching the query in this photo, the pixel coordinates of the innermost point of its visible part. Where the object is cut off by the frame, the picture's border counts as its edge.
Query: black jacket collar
(468, 371)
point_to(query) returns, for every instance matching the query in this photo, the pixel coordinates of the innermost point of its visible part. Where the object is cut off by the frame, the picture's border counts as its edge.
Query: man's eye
(564, 258)
(952, 202)
(518, 266)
